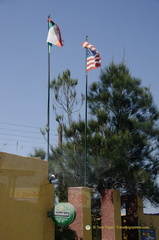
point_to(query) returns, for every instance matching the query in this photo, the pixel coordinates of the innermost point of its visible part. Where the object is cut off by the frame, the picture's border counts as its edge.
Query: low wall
(25, 198)
(139, 224)
(150, 221)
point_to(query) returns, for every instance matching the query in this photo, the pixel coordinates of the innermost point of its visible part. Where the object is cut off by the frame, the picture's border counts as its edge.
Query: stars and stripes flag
(93, 56)
(54, 34)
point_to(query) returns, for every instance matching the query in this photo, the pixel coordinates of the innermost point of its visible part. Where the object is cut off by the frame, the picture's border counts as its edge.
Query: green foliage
(122, 141)
(128, 129)
(38, 153)
(122, 133)
(65, 96)
(67, 165)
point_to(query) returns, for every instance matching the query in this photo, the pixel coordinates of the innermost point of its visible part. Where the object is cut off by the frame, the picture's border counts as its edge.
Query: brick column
(111, 215)
(80, 198)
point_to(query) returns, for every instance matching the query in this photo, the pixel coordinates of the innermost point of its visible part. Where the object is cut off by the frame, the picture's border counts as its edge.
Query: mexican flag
(54, 34)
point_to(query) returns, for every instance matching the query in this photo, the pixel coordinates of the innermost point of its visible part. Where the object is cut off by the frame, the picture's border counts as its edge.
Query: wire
(7, 129)
(22, 141)
(19, 125)
(18, 135)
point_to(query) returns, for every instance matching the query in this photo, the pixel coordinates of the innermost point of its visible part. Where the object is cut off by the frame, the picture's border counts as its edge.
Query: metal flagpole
(48, 102)
(85, 159)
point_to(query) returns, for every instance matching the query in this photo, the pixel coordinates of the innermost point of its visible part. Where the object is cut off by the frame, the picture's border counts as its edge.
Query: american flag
(93, 56)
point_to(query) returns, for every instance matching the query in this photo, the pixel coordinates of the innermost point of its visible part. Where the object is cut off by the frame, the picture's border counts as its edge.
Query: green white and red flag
(54, 34)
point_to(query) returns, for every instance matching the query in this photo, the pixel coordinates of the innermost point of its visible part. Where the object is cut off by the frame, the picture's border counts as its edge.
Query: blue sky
(112, 26)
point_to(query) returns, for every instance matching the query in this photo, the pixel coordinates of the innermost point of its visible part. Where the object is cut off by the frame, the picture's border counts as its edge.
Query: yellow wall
(86, 203)
(25, 198)
(151, 221)
(147, 220)
(117, 214)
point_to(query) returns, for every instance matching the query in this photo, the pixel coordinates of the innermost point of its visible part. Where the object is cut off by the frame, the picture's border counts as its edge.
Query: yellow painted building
(25, 198)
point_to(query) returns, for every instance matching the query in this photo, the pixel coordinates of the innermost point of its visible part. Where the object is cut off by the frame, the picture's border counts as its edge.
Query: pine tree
(64, 97)
(122, 133)
(38, 153)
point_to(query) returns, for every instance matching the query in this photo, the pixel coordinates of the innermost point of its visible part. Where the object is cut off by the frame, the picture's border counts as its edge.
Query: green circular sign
(63, 214)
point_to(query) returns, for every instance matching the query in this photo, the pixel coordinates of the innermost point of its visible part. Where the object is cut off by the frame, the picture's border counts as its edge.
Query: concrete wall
(25, 198)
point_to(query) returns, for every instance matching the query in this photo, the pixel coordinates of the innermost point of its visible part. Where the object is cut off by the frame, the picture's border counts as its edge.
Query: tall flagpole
(89, 65)
(85, 159)
(48, 102)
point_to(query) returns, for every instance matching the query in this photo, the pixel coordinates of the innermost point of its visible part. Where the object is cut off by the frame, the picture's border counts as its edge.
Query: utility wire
(32, 135)
(19, 125)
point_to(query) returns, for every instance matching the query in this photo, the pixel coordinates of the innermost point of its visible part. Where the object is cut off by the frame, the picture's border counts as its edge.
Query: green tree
(65, 96)
(122, 132)
(65, 101)
(68, 166)
(38, 153)
(64, 161)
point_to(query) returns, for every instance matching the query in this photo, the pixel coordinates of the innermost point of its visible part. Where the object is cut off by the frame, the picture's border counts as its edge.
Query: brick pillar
(80, 198)
(111, 215)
